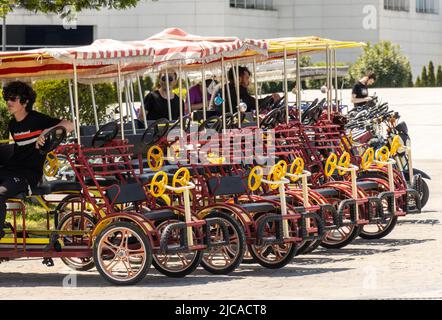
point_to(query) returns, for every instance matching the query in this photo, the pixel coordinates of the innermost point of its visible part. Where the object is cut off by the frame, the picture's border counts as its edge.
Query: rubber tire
(287, 259)
(339, 245)
(309, 247)
(146, 242)
(242, 245)
(380, 235)
(66, 261)
(182, 273)
(426, 189)
(426, 193)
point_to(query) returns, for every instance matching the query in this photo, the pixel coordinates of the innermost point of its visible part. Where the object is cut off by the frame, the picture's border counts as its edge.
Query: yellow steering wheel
(276, 174)
(283, 166)
(367, 158)
(395, 145)
(181, 178)
(382, 155)
(344, 162)
(155, 158)
(255, 178)
(158, 184)
(331, 165)
(297, 168)
(51, 165)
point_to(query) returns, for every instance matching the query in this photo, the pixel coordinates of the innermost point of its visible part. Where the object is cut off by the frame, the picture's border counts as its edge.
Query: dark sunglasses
(171, 78)
(10, 98)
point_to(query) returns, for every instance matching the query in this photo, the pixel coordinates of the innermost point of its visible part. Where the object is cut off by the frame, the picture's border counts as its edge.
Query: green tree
(4, 119)
(424, 77)
(53, 99)
(431, 75)
(418, 82)
(439, 77)
(387, 61)
(59, 6)
(410, 80)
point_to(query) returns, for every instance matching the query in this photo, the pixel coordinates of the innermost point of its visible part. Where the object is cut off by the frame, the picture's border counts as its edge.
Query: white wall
(418, 34)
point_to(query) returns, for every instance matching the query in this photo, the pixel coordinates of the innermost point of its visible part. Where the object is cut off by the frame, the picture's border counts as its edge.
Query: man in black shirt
(360, 90)
(24, 168)
(244, 96)
(155, 103)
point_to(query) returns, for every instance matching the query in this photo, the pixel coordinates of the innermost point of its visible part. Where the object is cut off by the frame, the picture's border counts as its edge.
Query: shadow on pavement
(351, 252)
(418, 221)
(93, 279)
(391, 242)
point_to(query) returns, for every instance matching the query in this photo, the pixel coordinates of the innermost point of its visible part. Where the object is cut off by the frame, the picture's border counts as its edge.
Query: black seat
(328, 192)
(258, 207)
(102, 181)
(227, 185)
(160, 214)
(367, 185)
(55, 186)
(126, 193)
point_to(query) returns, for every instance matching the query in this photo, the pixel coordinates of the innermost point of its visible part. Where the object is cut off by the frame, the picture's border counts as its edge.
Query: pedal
(48, 262)
(55, 243)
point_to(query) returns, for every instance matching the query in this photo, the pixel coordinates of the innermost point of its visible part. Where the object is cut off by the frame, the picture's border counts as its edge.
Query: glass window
(252, 4)
(397, 5)
(427, 6)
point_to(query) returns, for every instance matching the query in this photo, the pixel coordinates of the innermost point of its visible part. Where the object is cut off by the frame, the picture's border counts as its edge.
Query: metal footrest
(337, 219)
(278, 238)
(168, 233)
(319, 223)
(390, 198)
(225, 231)
(415, 196)
(351, 205)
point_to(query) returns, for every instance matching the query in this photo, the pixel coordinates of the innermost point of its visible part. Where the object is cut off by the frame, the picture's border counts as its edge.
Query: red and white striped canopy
(100, 59)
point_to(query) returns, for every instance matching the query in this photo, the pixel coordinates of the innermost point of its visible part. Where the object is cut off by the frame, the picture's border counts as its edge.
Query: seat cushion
(367, 185)
(258, 207)
(327, 192)
(56, 186)
(102, 181)
(160, 214)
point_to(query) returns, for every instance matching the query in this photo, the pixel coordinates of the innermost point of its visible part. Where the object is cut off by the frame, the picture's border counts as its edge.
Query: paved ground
(406, 264)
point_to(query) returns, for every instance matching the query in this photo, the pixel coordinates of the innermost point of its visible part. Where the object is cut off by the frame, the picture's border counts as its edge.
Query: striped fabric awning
(174, 46)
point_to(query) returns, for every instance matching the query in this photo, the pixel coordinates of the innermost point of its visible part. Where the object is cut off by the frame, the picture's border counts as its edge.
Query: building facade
(416, 25)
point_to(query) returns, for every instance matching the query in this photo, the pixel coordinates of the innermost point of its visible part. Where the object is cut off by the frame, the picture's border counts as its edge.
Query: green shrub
(53, 99)
(392, 68)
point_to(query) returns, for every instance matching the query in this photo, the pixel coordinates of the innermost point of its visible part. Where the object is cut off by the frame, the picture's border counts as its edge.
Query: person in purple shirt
(196, 94)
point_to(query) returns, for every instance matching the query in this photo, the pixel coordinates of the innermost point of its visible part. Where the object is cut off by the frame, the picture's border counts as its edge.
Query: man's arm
(68, 125)
(355, 100)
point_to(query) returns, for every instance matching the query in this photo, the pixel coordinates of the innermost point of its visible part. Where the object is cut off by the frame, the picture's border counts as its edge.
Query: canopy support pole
(143, 111)
(204, 89)
(120, 100)
(71, 98)
(169, 105)
(131, 105)
(180, 85)
(336, 79)
(256, 92)
(229, 97)
(298, 82)
(223, 81)
(94, 106)
(286, 103)
(327, 53)
(189, 105)
(238, 96)
(77, 107)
